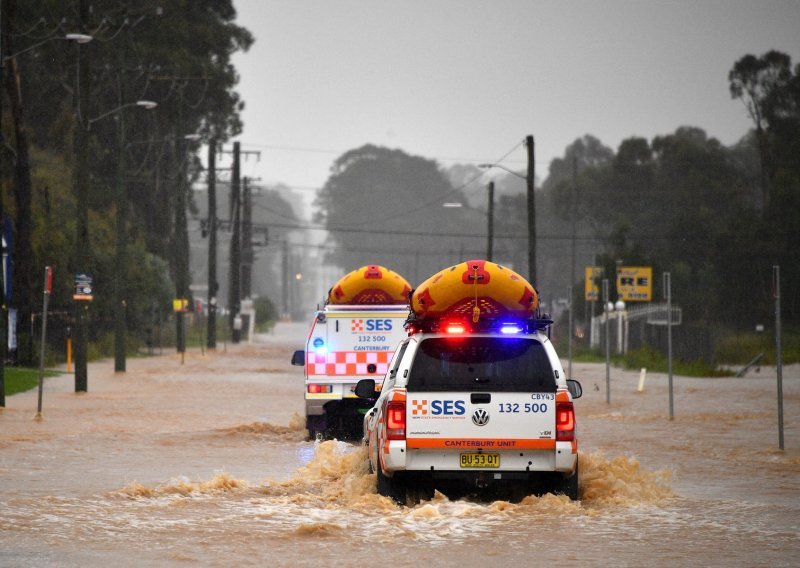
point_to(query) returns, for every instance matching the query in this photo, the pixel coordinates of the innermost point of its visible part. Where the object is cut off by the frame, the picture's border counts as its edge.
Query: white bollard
(642, 376)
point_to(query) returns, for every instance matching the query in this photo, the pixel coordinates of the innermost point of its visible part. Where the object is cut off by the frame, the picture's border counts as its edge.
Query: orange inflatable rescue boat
(371, 284)
(473, 290)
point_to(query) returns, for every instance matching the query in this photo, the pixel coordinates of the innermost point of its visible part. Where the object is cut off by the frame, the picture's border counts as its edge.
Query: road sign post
(668, 298)
(608, 331)
(83, 294)
(776, 282)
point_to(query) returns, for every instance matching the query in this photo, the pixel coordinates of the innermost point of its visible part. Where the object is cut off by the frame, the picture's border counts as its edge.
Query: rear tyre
(316, 427)
(419, 488)
(391, 487)
(569, 485)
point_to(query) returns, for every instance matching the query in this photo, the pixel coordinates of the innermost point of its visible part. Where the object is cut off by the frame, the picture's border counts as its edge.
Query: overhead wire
(438, 199)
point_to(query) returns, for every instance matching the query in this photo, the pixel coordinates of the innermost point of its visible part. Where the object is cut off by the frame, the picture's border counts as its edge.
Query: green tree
(760, 82)
(770, 90)
(175, 52)
(384, 206)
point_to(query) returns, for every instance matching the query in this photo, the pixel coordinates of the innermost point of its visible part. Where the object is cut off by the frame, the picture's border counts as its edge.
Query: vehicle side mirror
(574, 388)
(365, 388)
(299, 358)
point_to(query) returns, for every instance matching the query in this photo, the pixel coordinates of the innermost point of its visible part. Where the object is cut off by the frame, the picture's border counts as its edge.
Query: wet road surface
(206, 463)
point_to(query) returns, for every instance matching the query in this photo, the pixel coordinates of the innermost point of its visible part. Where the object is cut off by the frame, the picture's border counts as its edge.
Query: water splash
(294, 431)
(222, 482)
(621, 481)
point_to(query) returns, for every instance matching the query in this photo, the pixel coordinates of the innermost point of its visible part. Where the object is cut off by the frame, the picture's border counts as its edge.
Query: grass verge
(21, 379)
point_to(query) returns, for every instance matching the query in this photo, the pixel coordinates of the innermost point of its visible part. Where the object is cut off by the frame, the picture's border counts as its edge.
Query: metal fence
(646, 326)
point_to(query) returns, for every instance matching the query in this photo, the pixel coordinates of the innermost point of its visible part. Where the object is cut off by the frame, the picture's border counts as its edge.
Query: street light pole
(120, 331)
(82, 245)
(490, 228)
(531, 180)
(234, 288)
(572, 264)
(211, 335)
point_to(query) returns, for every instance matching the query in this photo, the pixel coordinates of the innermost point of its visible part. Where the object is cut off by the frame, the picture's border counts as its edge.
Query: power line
(284, 148)
(441, 198)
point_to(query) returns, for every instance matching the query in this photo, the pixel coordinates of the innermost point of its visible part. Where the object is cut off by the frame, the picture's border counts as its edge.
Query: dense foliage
(384, 207)
(176, 53)
(717, 218)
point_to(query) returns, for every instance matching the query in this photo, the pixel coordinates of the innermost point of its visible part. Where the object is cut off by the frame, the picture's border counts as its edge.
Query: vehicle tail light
(396, 420)
(565, 422)
(316, 389)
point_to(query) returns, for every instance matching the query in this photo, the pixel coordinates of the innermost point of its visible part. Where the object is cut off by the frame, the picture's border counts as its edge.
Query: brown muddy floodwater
(206, 464)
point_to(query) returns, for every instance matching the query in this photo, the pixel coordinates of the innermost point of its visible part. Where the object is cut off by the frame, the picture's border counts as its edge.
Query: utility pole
(234, 273)
(247, 239)
(490, 229)
(120, 279)
(3, 340)
(181, 246)
(285, 287)
(25, 275)
(530, 181)
(212, 245)
(81, 188)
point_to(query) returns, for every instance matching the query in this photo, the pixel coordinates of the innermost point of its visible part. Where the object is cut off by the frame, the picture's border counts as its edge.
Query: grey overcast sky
(467, 80)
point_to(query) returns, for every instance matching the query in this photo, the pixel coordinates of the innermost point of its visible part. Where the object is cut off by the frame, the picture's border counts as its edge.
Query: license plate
(480, 460)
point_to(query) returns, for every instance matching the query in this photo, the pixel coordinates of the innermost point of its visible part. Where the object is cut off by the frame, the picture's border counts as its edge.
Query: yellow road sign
(592, 275)
(635, 283)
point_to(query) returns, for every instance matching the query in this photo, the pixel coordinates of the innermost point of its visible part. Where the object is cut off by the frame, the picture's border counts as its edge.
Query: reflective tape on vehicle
(474, 444)
(348, 363)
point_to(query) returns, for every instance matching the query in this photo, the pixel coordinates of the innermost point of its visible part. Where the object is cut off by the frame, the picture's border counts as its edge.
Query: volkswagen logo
(480, 417)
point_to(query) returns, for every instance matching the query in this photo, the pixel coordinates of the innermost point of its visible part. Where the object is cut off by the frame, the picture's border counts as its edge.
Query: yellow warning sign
(592, 276)
(180, 305)
(635, 283)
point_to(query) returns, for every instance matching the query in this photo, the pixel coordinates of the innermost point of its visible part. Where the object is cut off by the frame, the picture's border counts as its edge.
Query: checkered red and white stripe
(348, 363)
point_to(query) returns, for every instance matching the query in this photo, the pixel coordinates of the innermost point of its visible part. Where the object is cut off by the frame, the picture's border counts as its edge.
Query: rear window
(500, 364)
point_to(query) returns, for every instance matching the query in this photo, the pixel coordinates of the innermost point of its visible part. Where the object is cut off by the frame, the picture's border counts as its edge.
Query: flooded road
(206, 463)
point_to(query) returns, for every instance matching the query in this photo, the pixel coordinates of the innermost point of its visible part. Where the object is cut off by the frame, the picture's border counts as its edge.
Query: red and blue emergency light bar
(456, 326)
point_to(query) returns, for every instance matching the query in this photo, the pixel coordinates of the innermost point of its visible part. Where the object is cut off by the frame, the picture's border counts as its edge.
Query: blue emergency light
(319, 346)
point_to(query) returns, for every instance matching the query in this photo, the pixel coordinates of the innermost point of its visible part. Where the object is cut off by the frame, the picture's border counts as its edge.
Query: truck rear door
(481, 392)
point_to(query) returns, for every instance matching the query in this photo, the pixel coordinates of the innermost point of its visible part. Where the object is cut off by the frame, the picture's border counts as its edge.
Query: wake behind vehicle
(475, 400)
(353, 336)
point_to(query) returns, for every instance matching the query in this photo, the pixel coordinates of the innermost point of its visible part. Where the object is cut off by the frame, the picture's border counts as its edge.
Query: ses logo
(361, 325)
(438, 408)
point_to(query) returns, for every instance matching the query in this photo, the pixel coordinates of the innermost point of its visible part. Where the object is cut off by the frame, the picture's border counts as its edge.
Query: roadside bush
(653, 360)
(740, 349)
(266, 314)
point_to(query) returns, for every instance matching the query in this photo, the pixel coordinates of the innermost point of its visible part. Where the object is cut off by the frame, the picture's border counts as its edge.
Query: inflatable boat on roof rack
(370, 285)
(353, 336)
(475, 288)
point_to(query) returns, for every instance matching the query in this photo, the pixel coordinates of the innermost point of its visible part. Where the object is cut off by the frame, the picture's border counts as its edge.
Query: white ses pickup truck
(463, 411)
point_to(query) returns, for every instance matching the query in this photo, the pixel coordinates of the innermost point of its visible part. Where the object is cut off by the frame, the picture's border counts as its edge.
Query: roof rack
(540, 322)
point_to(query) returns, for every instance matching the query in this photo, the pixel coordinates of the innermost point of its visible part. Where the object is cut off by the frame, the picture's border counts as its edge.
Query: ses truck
(475, 400)
(352, 337)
